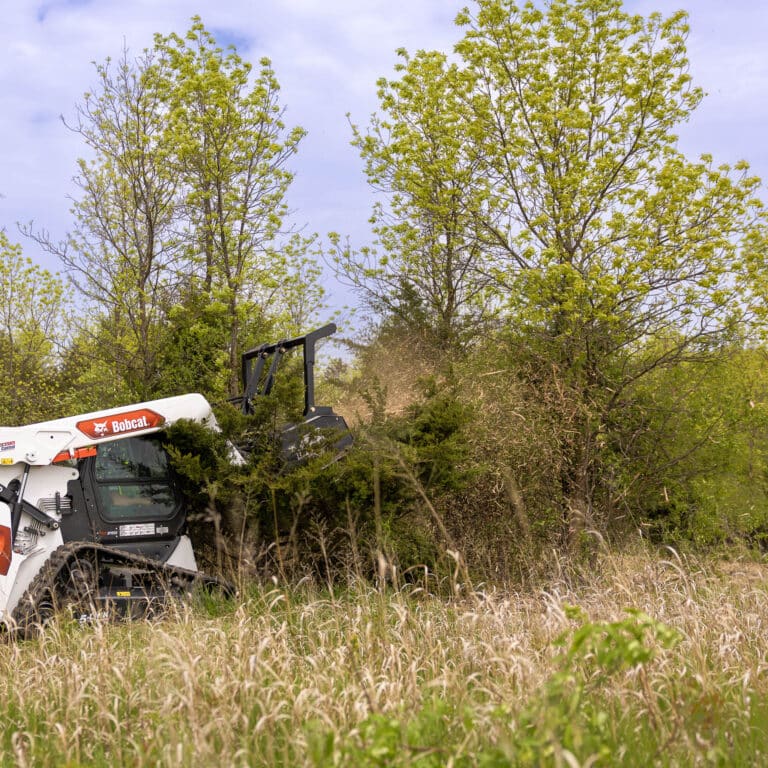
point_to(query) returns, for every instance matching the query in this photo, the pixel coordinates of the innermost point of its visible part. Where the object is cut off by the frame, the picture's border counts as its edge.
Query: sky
(327, 55)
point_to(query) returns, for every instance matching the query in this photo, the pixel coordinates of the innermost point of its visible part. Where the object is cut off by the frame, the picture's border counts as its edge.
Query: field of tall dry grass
(647, 660)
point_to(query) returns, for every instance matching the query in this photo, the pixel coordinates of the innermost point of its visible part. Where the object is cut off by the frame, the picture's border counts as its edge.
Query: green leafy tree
(429, 271)
(612, 254)
(121, 250)
(31, 319)
(231, 151)
(620, 255)
(181, 206)
(701, 471)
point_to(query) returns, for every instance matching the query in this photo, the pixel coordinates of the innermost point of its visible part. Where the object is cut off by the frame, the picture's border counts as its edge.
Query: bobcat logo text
(121, 423)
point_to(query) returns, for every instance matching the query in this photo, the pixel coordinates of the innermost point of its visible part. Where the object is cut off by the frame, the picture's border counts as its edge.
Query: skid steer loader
(90, 516)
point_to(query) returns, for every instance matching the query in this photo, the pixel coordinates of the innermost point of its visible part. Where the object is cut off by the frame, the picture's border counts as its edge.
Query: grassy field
(647, 661)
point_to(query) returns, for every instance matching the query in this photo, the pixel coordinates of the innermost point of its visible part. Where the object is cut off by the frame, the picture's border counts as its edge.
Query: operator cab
(130, 497)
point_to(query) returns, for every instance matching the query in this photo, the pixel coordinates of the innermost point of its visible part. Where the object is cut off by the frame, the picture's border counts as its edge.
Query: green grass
(565, 675)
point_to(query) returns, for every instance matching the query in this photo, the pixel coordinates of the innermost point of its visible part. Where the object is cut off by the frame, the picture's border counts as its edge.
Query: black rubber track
(45, 594)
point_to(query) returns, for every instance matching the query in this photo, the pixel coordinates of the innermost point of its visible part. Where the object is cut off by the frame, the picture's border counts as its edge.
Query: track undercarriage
(92, 581)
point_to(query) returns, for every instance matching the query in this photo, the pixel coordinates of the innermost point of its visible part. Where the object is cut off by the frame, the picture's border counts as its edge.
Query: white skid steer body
(93, 487)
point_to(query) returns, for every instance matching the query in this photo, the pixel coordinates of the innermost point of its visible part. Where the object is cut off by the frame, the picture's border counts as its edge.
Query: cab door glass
(133, 480)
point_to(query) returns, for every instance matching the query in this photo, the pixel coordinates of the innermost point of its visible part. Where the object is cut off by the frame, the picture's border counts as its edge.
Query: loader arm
(76, 437)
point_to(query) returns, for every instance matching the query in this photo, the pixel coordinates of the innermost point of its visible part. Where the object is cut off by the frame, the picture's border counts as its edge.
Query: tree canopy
(549, 144)
(179, 244)
(32, 328)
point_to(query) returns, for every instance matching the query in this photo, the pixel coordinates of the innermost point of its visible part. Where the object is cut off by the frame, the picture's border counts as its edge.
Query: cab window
(133, 480)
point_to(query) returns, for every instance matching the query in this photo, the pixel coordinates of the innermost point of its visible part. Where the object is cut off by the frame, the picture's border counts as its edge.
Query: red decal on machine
(121, 423)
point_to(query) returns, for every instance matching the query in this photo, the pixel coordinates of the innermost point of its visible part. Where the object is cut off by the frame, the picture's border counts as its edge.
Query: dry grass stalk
(297, 677)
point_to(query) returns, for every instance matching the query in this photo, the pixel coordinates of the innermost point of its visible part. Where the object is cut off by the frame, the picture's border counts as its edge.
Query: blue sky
(327, 55)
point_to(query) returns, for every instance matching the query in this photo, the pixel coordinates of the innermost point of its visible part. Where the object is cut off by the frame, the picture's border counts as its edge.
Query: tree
(232, 151)
(431, 274)
(612, 254)
(121, 250)
(697, 469)
(181, 206)
(31, 313)
(620, 254)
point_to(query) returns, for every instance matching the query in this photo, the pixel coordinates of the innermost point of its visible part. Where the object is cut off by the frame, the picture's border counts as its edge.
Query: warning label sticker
(138, 529)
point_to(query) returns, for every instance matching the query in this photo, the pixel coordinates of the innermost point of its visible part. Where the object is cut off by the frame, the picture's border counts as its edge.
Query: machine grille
(49, 505)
